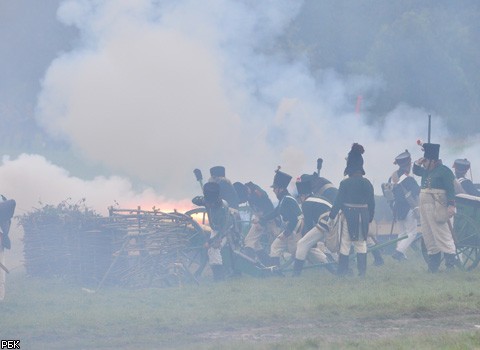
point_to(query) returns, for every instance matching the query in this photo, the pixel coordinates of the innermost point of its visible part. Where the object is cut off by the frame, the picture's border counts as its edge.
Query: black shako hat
(403, 158)
(218, 171)
(281, 179)
(461, 165)
(304, 187)
(355, 160)
(431, 151)
(211, 191)
(307, 177)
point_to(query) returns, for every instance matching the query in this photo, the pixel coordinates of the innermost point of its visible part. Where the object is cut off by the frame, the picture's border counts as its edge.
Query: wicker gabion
(130, 247)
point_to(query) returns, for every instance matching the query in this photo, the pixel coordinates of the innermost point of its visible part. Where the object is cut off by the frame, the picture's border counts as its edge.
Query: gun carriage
(466, 231)
(130, 247)
(465, 228)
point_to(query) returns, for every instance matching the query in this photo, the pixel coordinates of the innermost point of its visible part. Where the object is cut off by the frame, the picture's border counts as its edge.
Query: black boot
(218, 272)
(264, 258)
(342, 265)
(362, 264)
(297, 267)
(450, 261)
(399, 256)
(434, 262)
(378, 259)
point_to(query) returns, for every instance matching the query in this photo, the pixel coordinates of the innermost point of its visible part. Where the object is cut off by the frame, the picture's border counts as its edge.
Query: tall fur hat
(355, 160)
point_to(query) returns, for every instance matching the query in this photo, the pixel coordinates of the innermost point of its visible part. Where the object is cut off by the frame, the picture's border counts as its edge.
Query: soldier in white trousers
(404, 204)
(315, 211)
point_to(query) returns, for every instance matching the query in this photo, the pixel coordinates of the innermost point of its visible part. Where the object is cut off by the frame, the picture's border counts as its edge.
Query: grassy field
(398, 306)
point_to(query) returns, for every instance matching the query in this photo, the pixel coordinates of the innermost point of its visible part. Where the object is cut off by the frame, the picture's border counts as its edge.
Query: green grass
(310, 312)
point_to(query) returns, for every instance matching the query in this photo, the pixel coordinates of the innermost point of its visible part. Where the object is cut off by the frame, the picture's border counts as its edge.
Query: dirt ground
(350, 329)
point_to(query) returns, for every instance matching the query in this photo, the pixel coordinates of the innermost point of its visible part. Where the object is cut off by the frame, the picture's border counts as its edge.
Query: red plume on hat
(355, 160)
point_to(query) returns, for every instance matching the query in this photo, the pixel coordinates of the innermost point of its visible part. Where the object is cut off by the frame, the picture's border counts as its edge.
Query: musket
(429, 132)
(429, 127)
(4, 268)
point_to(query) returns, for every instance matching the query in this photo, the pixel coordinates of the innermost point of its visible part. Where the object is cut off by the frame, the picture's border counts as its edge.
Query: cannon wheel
(468, 248)
(468, 255)
(195, 254)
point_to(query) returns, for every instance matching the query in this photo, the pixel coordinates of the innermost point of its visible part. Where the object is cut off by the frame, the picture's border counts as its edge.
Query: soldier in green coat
(437, 206)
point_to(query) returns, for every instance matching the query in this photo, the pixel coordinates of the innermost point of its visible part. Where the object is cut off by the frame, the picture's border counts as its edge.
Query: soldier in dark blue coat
(461, 166)
(315, 211)
(321, 187)
(259, 233)
(290, 213)
(227, 191)
(405, 192)
(223, 225)
(356, 201)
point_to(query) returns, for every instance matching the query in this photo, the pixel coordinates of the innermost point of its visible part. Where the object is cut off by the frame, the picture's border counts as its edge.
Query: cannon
(466, 231)
(465, 227)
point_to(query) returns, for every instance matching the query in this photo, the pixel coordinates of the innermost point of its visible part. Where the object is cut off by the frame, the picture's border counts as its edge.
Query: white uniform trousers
(408, 228)
(283, 244)
(254, 235)
(215, 250)
(359, 246)
(307, 246)
(436, 233)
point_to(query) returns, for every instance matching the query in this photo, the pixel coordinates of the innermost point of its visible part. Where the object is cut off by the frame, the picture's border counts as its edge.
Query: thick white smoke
(155, 89)
(35, 182)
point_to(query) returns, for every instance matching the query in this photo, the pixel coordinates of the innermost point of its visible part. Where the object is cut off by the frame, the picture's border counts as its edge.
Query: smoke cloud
(155, 89)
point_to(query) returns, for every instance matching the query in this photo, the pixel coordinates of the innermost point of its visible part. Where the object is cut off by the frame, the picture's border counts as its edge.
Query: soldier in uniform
(227, 191)
(461, 166)
(223, 225)
(7, 209)
(259, 233)
(405, 203)
(315, 211)
(290, 213)
(356, 202)
(3, 240)
(321, 187)
(437, 206)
